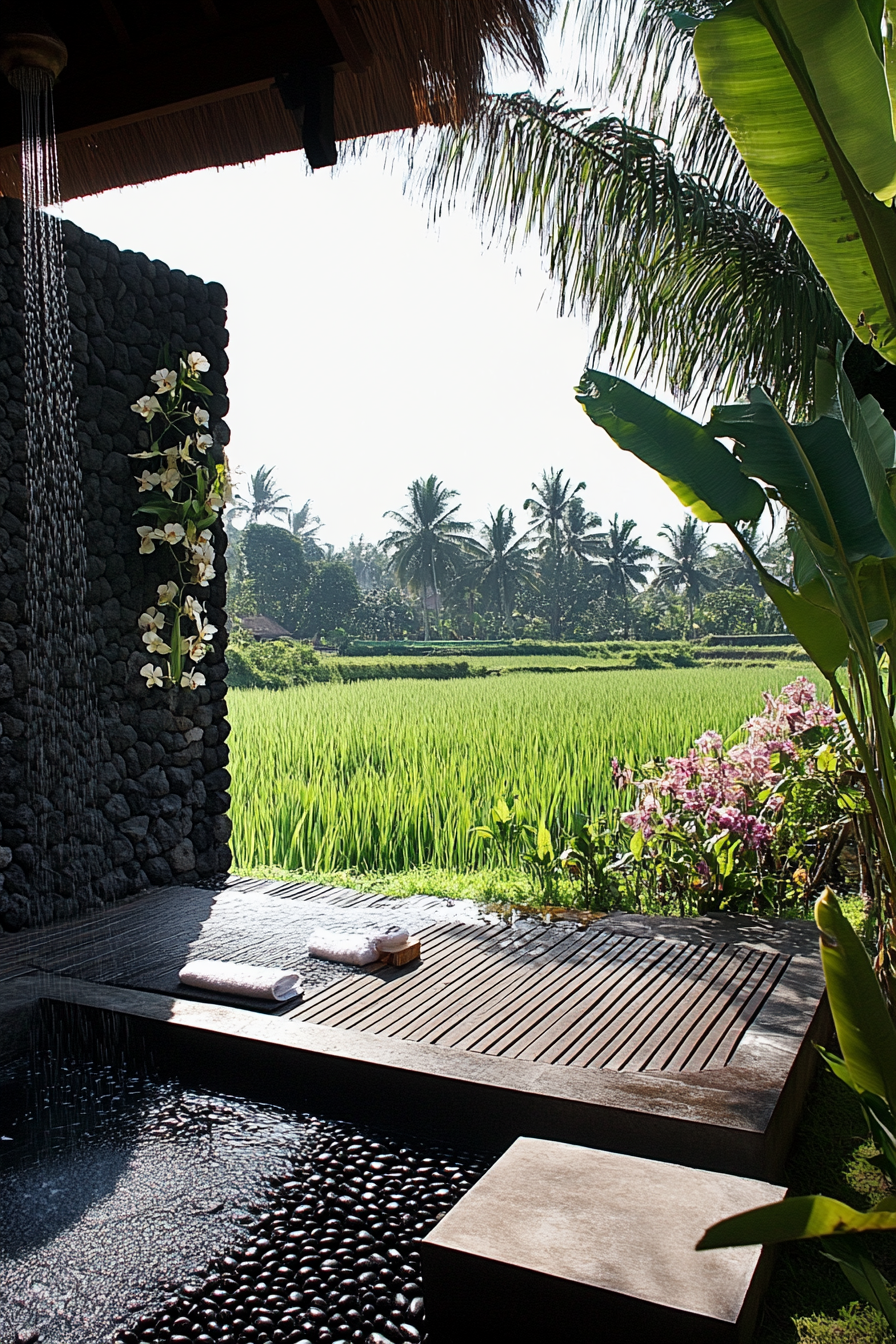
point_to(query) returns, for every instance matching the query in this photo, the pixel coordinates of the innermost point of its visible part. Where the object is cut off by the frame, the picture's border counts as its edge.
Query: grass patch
(809, 1300)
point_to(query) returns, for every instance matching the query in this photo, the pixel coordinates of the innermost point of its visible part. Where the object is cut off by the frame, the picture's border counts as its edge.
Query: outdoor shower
(61, 747)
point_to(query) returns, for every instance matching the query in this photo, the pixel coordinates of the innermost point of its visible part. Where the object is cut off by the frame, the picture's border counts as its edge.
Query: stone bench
(563, 1243)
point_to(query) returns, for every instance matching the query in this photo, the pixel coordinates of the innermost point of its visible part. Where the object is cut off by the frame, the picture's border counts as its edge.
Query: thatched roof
(149, 91)
(263, 628)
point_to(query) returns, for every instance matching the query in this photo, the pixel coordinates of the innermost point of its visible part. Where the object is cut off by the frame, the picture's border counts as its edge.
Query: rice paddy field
(387, 776)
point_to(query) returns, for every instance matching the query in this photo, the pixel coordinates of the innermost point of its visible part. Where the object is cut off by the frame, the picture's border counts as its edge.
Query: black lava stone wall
(163, 782)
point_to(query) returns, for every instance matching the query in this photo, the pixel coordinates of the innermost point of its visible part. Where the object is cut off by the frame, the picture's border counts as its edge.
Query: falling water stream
(63, 716)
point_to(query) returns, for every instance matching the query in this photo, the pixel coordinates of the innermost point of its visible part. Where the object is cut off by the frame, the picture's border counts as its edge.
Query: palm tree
(623, 562)
(502, 563)
(262, 498)
(685, 570)
(306, 528)
(656, 244)
(429, 542)
(549, 507)
(581, 540)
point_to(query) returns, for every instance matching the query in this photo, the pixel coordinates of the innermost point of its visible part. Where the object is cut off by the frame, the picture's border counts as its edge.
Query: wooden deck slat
(691, 1000)
(425, 985)
(543, 1037)
(562, 997)
(489, 980)
(500, 1031)
(602, 1033)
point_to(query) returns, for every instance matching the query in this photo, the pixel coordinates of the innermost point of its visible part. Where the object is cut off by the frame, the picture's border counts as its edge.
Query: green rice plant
(393, 775)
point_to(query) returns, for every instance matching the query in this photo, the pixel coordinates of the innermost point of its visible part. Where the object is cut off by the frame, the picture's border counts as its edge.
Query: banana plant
(867, 1038)
(505, 828)
(806, 89)
(836, 478)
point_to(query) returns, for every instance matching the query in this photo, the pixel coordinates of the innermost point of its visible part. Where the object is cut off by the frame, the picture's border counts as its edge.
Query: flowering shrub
(185, 492)
(737, 825)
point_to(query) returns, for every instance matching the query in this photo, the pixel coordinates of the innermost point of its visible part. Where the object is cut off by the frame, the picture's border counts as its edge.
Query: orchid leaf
(701, 472)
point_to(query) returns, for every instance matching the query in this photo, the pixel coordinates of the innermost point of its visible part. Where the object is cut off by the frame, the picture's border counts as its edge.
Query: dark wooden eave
(131, 60)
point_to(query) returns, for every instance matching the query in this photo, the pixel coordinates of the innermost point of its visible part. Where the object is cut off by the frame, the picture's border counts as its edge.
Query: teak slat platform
(688, 1040)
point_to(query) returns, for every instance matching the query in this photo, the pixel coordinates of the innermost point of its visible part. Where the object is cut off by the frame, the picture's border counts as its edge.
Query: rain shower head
(20, 51)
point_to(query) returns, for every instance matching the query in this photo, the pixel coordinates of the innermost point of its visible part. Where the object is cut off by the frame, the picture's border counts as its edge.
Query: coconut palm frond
(682, 285)
(636, 56)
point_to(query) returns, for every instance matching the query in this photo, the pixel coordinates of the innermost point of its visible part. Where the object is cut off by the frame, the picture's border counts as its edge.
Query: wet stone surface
(139, 1209)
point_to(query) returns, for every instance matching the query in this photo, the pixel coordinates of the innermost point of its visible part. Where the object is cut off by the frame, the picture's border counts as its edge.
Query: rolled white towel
(391, 938)
(233, 977)
(355, 949)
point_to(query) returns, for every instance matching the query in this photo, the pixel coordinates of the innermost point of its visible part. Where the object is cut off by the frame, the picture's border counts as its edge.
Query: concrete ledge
(732, 1119)
(566, 1243)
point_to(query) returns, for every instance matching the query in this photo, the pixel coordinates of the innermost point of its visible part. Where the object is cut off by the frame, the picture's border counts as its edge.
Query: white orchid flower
(204, 573)
(165, 380)
(198, 650)
(207, 632)
(190, 680)
(184, 451)
(204, 442)
(146, 406)
(147, 479)
(173, 533)
(152, 674)
(169, 480)
(205, 534)
(215, 502)
(201, 417)
(148, 537)
(167, 593)
(151, 620)
(197, 363)
(154, 642)
(194, 609)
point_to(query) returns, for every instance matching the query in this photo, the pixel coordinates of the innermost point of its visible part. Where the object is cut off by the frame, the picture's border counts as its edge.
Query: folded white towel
(391, 938)
(355, 949)
(232, 977)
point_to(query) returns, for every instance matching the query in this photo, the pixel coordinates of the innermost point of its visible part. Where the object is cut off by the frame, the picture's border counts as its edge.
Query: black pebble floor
(333, 1257)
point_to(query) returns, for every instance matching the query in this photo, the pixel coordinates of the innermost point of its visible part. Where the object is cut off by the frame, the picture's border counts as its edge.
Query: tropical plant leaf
(770, 448)
(768, 118)
(865, 1279)
(795, 1220)
(703, 474)
(821, 632)
(846, 68)
(649, 251)
(864, 1028)
(883, 436)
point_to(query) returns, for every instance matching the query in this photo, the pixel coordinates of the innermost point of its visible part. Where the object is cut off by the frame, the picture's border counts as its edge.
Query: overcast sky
(368, 348)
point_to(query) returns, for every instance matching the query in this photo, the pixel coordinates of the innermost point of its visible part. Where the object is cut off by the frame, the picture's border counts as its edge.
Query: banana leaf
(770, 448)
(796, 1220)
(776, 119)
(865, 1030)
(845, 64)
(700, 471)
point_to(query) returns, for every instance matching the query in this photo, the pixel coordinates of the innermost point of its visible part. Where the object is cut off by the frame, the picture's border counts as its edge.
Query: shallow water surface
(136, 1207)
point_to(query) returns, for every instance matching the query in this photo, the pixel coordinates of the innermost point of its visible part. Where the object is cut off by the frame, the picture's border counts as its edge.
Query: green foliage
(867, 1038)
(736, 611)
(274, 561)
(332, 597)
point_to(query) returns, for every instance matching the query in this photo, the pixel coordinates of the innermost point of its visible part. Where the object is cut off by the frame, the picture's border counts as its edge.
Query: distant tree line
(559, 573)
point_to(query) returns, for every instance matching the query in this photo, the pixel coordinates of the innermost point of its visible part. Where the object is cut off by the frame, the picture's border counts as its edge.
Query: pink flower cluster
(711, 790)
